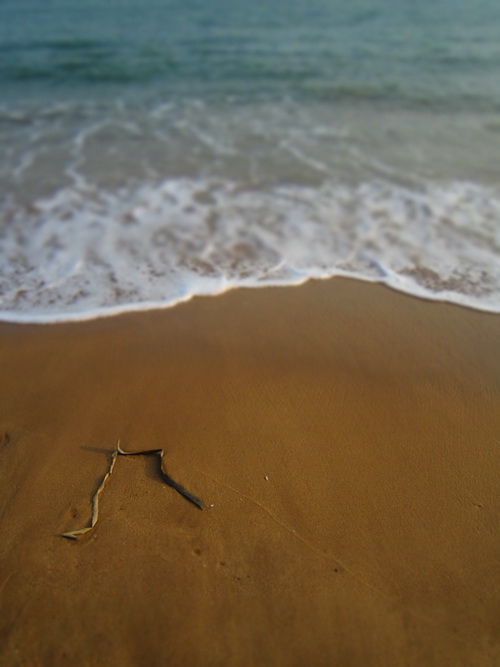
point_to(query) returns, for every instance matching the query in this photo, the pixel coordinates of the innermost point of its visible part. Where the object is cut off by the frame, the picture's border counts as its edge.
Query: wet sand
(345, 441)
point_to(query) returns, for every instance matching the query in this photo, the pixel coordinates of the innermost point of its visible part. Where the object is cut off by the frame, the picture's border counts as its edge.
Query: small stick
(75, 534)
(144, 451)
(166, 477)
(180, 489)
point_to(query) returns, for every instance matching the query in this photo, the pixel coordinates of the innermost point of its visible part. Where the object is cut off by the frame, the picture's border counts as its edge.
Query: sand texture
(344, 440)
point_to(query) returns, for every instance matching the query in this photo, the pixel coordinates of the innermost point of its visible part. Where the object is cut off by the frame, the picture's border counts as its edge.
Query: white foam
(86, 252)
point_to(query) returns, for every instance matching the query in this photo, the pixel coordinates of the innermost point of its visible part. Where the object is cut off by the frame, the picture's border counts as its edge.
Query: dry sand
(344, 438)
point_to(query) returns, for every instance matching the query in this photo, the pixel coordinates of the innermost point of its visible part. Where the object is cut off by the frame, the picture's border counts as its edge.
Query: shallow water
(151, 151)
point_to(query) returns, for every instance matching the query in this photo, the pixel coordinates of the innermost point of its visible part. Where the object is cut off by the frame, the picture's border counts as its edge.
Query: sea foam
(86, 251)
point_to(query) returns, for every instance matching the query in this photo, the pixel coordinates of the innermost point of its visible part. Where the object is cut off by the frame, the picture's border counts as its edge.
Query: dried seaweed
(75, 534)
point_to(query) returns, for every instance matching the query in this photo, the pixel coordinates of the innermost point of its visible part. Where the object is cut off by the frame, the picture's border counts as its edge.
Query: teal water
(154, 150)
(444, 53)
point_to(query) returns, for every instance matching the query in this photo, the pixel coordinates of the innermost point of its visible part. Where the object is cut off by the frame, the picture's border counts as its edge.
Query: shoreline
(445, 298)
(343, 437)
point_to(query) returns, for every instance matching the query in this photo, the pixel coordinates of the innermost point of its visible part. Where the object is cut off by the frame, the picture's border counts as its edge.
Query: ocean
(154, 150)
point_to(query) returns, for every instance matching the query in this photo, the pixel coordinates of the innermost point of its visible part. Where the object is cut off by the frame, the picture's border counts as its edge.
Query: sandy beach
(344, 439)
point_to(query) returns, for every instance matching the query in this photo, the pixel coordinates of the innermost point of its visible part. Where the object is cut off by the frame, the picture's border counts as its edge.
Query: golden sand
(344, 439)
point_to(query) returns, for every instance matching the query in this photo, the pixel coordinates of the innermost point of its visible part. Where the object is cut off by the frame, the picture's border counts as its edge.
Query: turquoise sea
(152, 150)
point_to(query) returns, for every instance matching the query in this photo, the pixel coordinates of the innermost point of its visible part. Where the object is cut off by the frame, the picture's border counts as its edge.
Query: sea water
(152, 150)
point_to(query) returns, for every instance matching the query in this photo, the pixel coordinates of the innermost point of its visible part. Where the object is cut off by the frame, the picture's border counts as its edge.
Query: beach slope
(344, 439)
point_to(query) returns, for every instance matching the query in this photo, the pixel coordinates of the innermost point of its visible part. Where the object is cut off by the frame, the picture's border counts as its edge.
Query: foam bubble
(86, 251)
